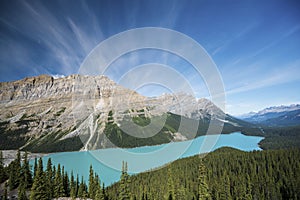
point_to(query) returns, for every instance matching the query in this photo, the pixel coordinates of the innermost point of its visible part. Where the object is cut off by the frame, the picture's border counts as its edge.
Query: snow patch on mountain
(275, 115)
(282, 108)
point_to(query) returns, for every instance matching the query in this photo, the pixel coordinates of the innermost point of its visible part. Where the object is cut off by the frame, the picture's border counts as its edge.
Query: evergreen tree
(63, 179)
(25, 179)
(50, 179)
(12, 180)
(53, 175)
(58, 184)
(82, 190)
(5, 191)
(170, 185)
(22, 191)
(2, 169)
(77, 185)
(203, 187)
(92, 184)
(248, 188)
(124, 183)
(99, 194)
(39, 187)
(66, 184)
(181, 194)
(35, 167)
(1, 159)
(103, 190)
(97, 183)
(25, 173)
(14, 172)
(72, 186)
(18, 161)
(230, 174)
(225, 190)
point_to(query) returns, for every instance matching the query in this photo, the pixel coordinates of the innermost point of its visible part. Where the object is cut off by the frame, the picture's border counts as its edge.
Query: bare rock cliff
(39, 111)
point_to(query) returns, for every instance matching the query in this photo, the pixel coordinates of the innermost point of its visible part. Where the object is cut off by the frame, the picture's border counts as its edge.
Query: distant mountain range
(46, 114)
(275, 116)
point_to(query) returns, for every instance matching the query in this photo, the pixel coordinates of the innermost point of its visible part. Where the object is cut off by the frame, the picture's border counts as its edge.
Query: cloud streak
(62, 48)
(226, 43)
(248, 43)
(287, 74)
(288, 33)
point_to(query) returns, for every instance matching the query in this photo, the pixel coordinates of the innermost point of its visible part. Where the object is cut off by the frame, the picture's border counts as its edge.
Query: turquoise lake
(107, 163)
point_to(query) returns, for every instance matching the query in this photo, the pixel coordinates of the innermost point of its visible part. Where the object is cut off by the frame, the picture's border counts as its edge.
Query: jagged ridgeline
(43, 114)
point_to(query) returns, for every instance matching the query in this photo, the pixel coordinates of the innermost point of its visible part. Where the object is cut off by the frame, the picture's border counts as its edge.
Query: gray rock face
(41, 107)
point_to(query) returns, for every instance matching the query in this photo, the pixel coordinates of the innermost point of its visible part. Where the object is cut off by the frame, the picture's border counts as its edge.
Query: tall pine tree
(100, 194)
(82, 190)
(35, 166)
(26, 176)
(50, 178)
(66, 184)
(124, 193)
(170, 195)
(58, 184)
(14, 172)
(39, 186)
(203, 186)
(5, 196)
(2, 169)
(22, 191)
(92, 185)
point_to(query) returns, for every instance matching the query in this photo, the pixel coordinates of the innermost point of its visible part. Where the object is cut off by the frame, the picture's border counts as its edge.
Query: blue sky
(255, 44)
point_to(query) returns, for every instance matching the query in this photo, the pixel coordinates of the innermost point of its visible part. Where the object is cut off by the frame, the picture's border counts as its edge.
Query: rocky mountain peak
(45, 86)
(63, 108)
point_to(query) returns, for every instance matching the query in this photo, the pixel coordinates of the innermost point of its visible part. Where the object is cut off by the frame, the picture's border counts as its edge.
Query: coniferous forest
(223, 174)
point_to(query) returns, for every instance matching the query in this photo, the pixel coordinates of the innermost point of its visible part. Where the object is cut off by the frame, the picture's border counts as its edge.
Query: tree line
(49, 183)
(223, 174)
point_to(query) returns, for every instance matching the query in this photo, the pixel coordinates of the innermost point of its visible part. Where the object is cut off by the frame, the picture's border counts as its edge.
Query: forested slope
(281, 137)
(231, 174)
(223, 174)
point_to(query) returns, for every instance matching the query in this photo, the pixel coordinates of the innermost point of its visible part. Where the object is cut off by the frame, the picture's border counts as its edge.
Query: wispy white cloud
(284, 75)
(20, 56)
(87, 45)
(226, 43)
(156, 74)
(55, 36)
(172, 14)
(63, 47)
(250, 74)
(271, 44)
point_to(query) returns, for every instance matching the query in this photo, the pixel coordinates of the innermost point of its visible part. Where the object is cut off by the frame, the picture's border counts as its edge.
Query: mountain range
(77, 112)
(275, 116)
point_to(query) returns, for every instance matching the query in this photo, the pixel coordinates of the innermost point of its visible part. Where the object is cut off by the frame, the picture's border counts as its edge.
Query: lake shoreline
(10, 155)
(154, 145)
(107, 162)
